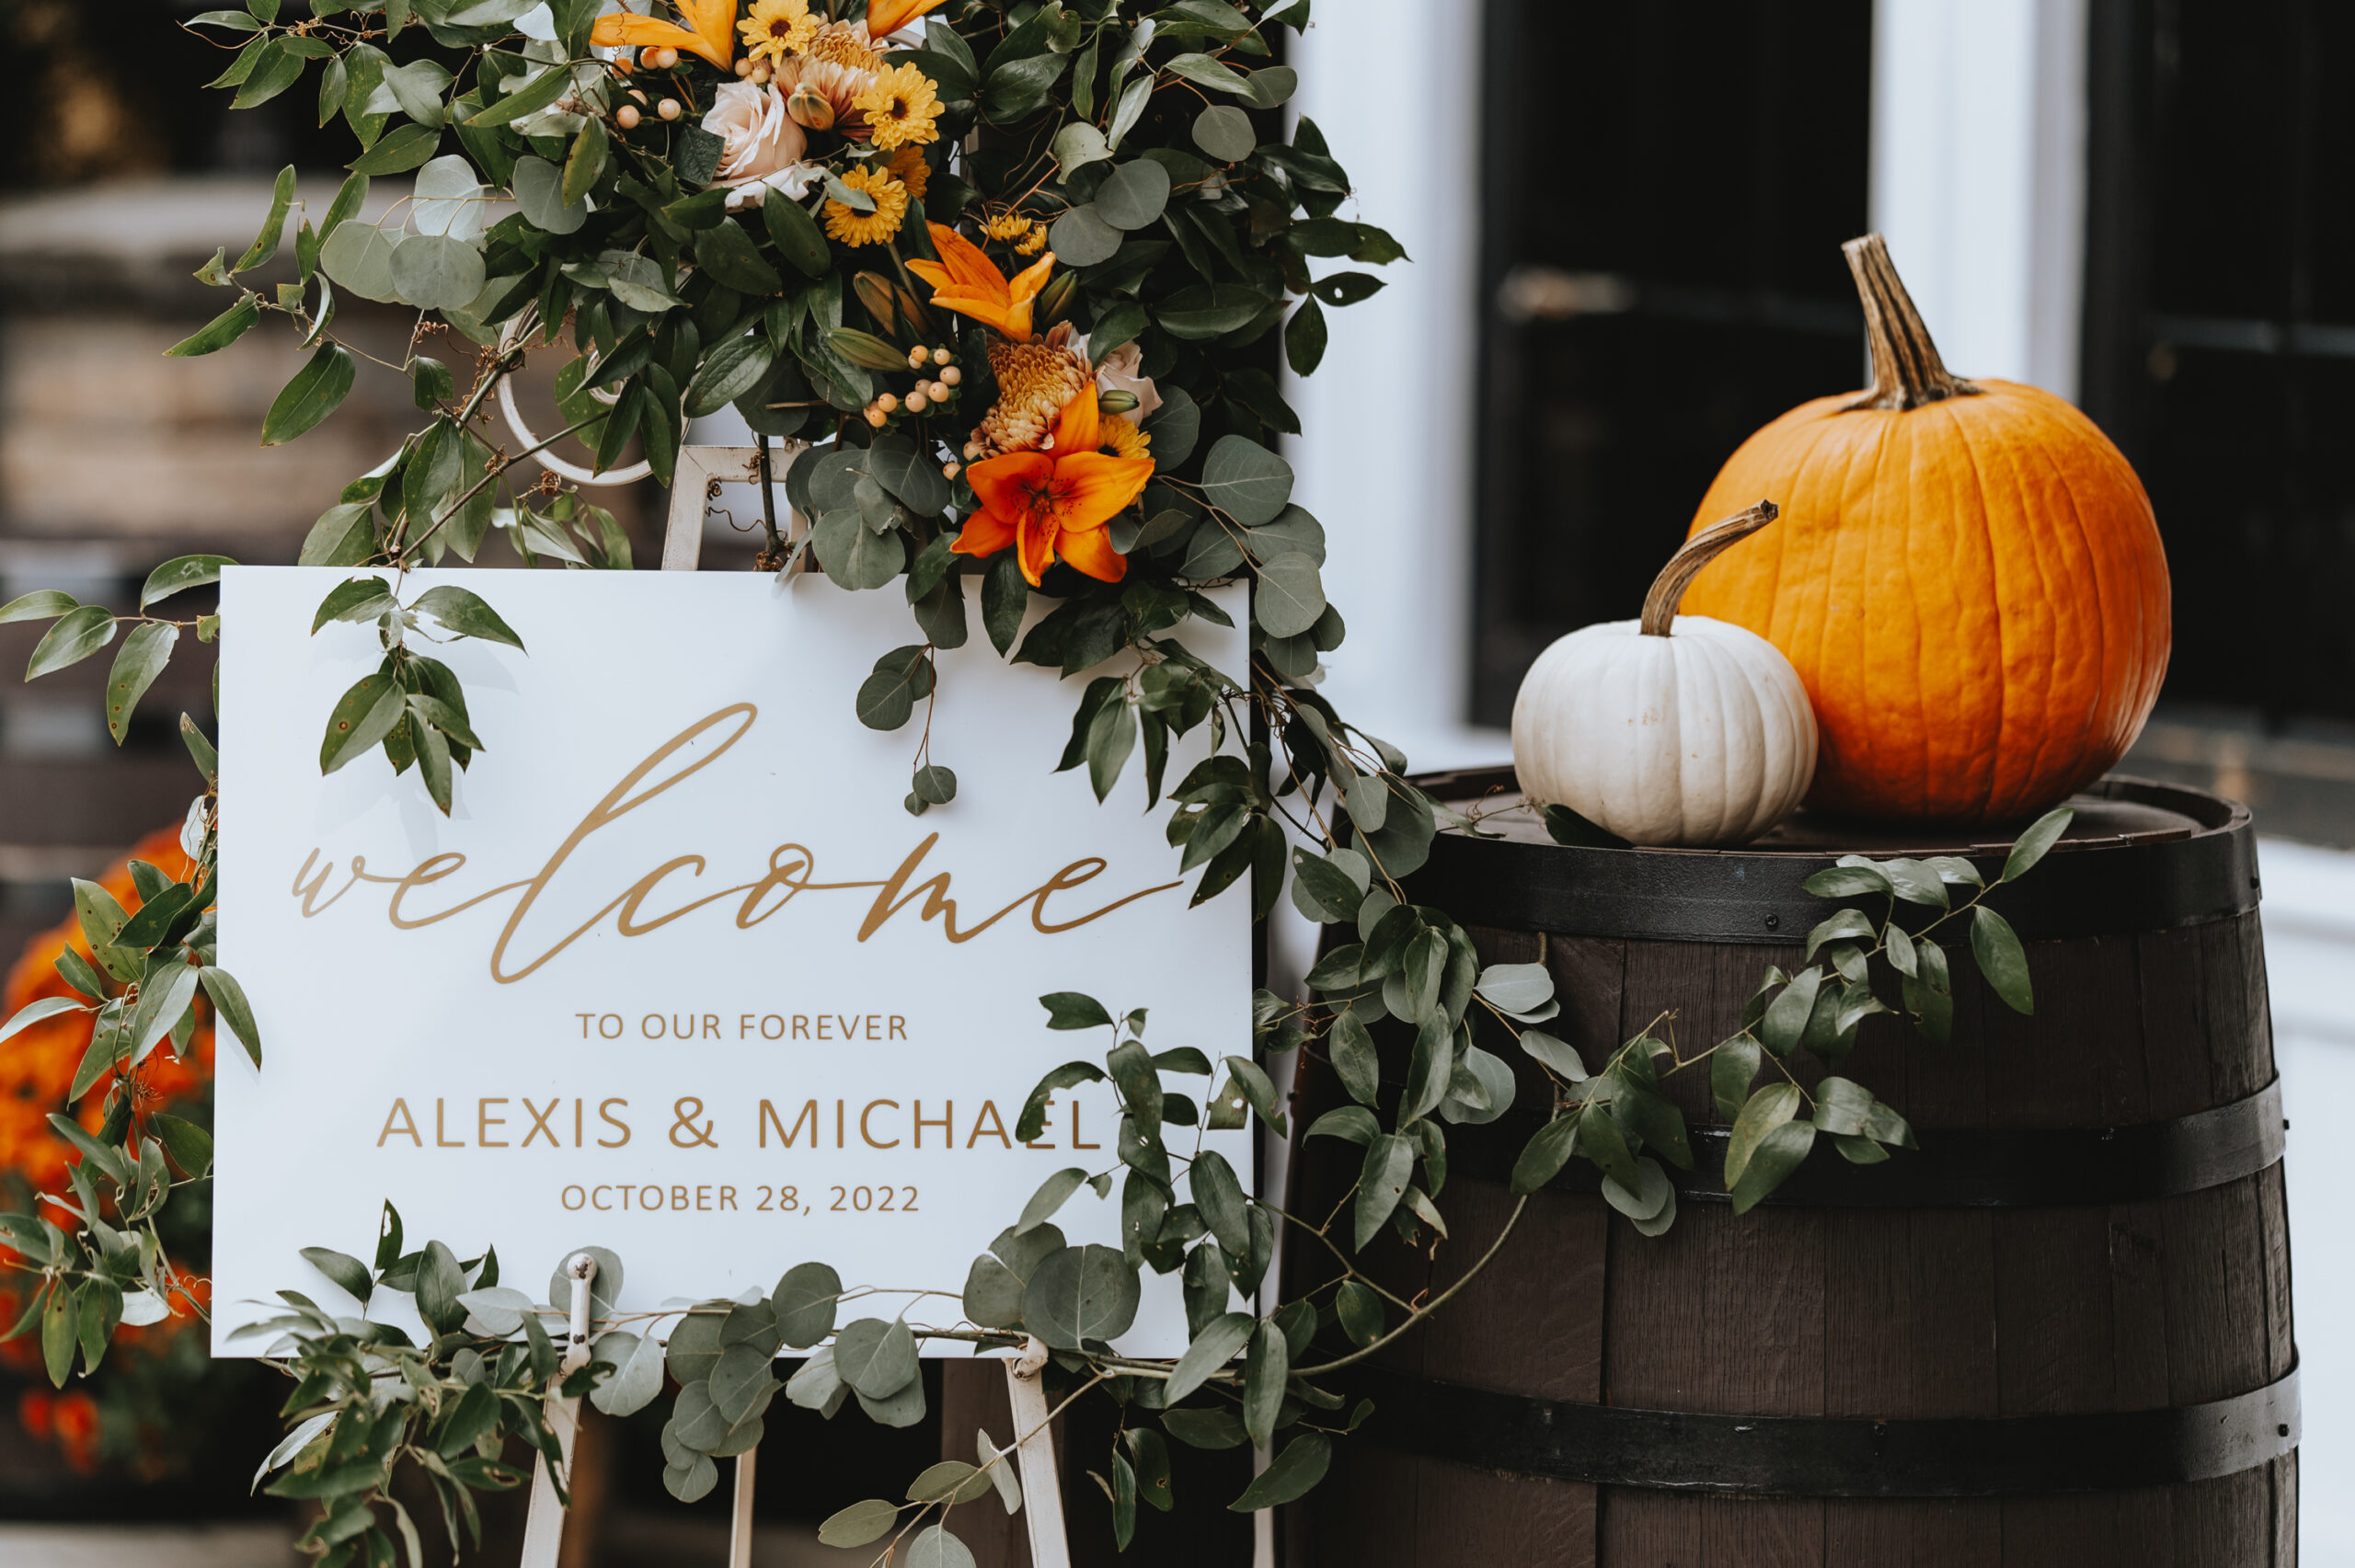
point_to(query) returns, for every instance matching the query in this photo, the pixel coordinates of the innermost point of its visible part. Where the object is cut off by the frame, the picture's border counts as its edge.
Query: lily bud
(866, 350)
(810, 108)
(1055, 300)
(1116, 402)
(875, 292)
(919, 318)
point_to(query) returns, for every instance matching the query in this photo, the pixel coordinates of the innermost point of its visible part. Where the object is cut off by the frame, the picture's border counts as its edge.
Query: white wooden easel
(700, 470)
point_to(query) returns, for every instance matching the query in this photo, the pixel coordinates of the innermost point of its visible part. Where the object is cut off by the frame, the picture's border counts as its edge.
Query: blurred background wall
(1624, 224)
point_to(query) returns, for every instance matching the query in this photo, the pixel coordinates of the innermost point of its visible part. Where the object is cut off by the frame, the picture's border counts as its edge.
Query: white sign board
(679, 975)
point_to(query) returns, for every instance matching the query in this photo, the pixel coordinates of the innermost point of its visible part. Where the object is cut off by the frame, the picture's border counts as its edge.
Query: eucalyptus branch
(1321, 1369)
(498, 466)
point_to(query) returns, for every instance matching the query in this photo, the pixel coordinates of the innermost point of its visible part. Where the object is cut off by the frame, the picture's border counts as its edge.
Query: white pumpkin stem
(1667, 589)
(1907, 372)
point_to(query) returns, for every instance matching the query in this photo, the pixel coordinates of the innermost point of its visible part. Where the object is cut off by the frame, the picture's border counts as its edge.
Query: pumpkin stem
(1907, 372)
(1667, 589)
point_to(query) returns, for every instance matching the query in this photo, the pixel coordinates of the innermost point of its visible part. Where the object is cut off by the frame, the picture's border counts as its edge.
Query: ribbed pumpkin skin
(1973, 592)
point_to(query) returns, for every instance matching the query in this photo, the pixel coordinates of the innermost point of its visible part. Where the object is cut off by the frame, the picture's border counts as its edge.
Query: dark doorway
(2220, 330)
(1668, 191)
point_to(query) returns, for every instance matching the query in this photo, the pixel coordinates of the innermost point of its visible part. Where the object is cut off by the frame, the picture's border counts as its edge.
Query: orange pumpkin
(1968, 577)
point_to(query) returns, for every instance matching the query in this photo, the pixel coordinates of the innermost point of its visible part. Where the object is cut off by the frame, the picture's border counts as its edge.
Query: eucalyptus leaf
(876, 1358)
(2001, 961)
(315, 391)
(1224, 132)
(539, 192)
(1290, 596)
(1078, 1294)
(359, 257)
(1246, 480)
(1134, 194)
(2032, 845)
(437, 272)
(1083, 237)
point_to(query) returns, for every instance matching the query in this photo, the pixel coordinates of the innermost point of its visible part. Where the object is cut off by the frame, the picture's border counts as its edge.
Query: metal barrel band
(1975, 1168)
(1790, 1456)
(1756, 897)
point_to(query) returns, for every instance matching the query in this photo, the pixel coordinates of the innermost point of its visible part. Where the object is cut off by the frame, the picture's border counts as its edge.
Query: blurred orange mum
(37, 1066)
(37, 1070)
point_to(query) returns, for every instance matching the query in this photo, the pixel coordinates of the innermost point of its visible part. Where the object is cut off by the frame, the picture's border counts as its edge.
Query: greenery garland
(882, 229)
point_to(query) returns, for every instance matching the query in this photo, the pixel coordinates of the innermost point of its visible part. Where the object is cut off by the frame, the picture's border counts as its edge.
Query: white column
(1978, 176)
(1385, 462)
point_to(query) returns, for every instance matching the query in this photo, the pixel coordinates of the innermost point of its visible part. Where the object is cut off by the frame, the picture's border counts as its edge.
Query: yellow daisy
(900, 105)
(1034, 242)
(1009, 227)
(869, 228)
(776, 29)
(1120, 438)
(907, 167)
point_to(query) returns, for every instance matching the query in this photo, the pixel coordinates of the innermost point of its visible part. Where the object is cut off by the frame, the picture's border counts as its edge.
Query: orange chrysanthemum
(710, 30)
(963, 280)
(36, 1065)
(1035, 382)
(1054, 504)
(37, 1068)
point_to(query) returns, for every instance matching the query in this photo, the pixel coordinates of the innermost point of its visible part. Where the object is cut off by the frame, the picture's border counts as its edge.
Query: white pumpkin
(1673, 729)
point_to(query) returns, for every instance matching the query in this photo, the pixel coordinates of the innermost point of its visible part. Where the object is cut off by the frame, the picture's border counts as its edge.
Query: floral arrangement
(1019, 276)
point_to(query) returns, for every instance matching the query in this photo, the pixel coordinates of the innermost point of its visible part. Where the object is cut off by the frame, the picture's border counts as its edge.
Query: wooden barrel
(2057, 1333)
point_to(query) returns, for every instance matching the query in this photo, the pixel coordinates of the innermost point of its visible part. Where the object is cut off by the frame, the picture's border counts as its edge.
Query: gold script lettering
(790, 872)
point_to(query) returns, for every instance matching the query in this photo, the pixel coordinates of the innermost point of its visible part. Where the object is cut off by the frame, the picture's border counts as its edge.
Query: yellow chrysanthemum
(900, 105)
(1008, 226)
(1121, 439)
(869, 228)
(1032, 243)
(776, 29)
(907, 167)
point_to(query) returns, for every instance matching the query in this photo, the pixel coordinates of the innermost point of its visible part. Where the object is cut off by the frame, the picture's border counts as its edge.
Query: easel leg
(543, 1526)
(739, 1529)
(1042, 1495)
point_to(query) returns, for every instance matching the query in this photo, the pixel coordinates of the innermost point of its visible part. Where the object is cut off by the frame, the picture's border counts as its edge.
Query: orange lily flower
(1055, 503)
(963, 280)
(710, 32)
(886, 17)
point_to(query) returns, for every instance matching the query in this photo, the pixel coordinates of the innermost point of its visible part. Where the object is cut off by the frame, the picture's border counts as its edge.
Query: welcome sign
(679, 975)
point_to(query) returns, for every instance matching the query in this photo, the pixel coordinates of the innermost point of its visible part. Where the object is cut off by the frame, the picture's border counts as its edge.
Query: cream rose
(761, 147)
(1117, 371)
